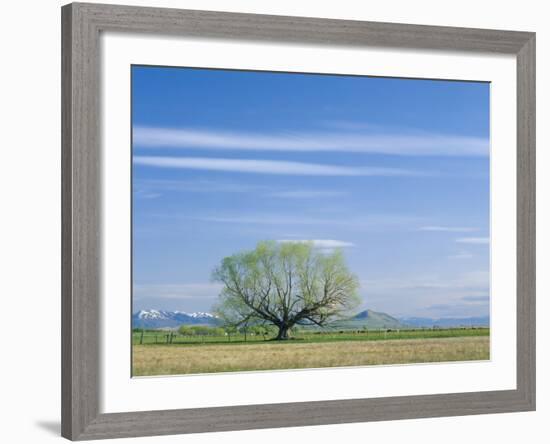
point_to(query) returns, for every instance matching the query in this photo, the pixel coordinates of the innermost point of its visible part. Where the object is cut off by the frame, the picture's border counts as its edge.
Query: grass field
(158, 337)
(191, 355)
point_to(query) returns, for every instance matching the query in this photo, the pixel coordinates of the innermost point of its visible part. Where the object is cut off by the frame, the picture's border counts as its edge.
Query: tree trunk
(283, 333)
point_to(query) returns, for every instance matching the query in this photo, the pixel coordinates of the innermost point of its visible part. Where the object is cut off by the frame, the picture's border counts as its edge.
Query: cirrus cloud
(268, 166)
(417, 144)
(473, 240)
(447, 229)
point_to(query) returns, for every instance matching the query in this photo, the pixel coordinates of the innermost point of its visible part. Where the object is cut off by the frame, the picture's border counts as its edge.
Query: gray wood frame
(81, 234)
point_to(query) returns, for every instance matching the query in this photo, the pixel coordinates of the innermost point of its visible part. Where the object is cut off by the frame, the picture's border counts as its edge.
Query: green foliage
(285, 285)
(260, 330)
(200, 330)
(230, 329)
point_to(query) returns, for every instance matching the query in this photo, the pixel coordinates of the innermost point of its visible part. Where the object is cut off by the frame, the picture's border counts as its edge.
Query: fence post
(141, 338)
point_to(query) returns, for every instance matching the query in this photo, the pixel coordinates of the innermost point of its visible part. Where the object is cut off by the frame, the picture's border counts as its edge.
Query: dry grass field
(151, 360)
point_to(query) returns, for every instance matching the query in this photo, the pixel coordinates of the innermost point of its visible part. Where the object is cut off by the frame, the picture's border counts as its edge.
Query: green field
(159, 337)
(163, 353)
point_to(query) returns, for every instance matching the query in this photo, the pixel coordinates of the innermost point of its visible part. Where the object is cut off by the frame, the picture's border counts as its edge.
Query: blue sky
(393, 171)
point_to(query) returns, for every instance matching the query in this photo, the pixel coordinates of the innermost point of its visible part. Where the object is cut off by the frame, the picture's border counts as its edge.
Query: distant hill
(370, 319)
(366, 319)
(482, 321)
(373, 319)
(170, 319)
(173, 319)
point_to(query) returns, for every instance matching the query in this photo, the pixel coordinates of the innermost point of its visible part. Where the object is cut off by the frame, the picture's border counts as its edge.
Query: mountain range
(366, 319)
(169, 319)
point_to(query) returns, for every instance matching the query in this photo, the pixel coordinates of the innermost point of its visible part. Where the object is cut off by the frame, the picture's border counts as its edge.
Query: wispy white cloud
(448, 229)
(461, 255)
(467, 280)
(473, 240)
(307, 194)
(461, 294)
(268, 167)
(143, 194)
(375, 221)
(321, 243)
(176, 291)
(150, 188)
(484, 298)
(267, 219)
(459, 310)
(195, 186)
(417, 144)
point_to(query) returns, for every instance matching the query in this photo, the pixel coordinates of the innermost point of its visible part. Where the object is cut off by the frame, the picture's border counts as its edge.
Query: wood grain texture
(81, 234)
(81, 222)
(526, 221)
(119, 425)
(66, 224)
(259, 27)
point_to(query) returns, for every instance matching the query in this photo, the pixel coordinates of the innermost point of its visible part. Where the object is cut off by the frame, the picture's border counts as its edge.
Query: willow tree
(285, 284)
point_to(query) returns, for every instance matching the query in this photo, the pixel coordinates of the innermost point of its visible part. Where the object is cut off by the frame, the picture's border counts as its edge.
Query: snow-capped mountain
(163, 318)
(197, 314)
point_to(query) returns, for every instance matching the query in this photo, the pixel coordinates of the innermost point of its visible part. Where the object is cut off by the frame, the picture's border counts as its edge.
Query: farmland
(165, 352)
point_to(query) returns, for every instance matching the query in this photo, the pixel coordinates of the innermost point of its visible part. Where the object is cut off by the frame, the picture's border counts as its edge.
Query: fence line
(143, 337)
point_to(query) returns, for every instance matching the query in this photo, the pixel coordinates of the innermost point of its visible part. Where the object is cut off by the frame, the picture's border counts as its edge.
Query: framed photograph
(278, 221)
